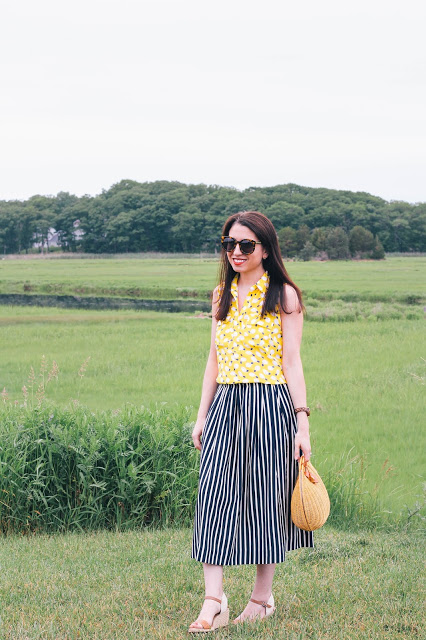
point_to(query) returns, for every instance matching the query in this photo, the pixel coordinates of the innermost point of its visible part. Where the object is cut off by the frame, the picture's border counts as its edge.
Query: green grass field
(365, 380)
(172, 276)
(145, 586)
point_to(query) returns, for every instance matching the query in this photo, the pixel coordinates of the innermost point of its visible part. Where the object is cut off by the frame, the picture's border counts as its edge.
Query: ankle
(261, 595)
(215, 594)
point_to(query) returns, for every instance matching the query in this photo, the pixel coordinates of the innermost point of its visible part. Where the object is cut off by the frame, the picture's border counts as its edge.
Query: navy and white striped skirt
(247, 476)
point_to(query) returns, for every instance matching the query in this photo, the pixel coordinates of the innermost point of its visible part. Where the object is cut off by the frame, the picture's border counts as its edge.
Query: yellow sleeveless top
(249, 348)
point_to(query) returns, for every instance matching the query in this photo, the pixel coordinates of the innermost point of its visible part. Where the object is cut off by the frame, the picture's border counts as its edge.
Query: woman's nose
(237, 253)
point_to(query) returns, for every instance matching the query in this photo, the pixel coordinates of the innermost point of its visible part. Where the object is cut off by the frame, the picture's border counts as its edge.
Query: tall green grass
(63, 469)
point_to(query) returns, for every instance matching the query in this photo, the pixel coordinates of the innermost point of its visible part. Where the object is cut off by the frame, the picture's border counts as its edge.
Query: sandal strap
(205, 624)
(262, 602)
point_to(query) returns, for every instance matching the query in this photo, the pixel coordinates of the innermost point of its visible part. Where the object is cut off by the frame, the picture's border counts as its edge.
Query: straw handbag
(310, 504)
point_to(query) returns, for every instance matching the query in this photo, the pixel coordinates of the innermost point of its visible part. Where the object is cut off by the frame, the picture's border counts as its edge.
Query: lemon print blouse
(249, 348)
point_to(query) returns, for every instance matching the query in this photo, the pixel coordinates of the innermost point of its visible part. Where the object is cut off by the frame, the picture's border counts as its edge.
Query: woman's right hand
(198, 430)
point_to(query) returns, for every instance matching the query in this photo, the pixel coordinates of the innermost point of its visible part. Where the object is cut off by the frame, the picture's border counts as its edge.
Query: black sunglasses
(246, 246)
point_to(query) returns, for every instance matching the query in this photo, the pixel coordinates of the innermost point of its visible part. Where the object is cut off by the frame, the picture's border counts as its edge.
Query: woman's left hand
(302, 441)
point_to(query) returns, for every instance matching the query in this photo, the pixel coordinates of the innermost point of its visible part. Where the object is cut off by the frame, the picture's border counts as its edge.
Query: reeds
(67, 469)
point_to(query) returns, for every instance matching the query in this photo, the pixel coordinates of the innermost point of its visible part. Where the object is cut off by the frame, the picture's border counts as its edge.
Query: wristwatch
(305, 409)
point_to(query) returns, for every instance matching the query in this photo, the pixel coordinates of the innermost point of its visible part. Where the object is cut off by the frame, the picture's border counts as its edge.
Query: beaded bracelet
(305, 409)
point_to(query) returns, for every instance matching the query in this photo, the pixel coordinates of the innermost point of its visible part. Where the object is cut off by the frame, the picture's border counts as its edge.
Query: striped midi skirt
(246, 478)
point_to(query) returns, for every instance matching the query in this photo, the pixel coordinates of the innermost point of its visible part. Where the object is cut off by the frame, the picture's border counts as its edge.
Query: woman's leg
(213, 579)
(261, 591)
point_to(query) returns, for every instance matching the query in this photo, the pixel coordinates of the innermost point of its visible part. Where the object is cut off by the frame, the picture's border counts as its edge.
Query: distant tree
(17, 227)
(41, 233)
(337, 244)
(360, 240)
(399, 217)
(190, 231)
(417, 218)
(9, 234)
(287, 238)
(378, 252)
(307, 252)
(302, 236)
(119, 229)
(283, 213)
(401, 232)
(158, 216)
(41, 210)
(64, 217)
(319, 238)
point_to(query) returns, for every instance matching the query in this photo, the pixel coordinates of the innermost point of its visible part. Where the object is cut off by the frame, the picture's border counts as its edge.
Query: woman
(253, 420)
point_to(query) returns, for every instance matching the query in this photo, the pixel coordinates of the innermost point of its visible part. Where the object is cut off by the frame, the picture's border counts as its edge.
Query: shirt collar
(262, 284)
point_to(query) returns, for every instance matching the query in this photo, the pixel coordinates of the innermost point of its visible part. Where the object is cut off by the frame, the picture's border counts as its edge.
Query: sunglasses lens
(228, 244)
(247, 246)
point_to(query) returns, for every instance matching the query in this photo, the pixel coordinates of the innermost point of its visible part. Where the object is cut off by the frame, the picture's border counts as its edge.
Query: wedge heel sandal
(220, 619)
(268, 606)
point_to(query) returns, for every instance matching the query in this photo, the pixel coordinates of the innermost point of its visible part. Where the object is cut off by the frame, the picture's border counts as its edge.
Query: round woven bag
(310, 504)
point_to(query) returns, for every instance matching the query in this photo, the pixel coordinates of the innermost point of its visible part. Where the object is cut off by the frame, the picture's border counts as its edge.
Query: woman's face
(242, 262)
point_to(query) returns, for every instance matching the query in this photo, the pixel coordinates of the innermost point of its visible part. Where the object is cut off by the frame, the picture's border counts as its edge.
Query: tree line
(175, 217)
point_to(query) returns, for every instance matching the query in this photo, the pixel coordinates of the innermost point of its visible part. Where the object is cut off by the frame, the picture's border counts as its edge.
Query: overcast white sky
(231, 92)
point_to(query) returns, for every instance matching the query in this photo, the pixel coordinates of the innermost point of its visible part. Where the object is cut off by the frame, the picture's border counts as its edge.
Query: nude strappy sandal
(268, 606)
(220, 619)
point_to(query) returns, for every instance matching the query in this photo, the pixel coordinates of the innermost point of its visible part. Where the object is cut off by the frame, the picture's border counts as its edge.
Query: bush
(378, 252)
(360, 240)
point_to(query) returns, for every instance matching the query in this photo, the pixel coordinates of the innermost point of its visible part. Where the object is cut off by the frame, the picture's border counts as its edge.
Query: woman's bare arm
(209, 380)
(292, 327)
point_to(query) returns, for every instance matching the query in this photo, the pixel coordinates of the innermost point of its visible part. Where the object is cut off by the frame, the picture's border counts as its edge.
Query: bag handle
(307, 470)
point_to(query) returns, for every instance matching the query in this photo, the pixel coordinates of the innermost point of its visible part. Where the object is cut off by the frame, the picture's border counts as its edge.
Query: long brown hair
(273, 264)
